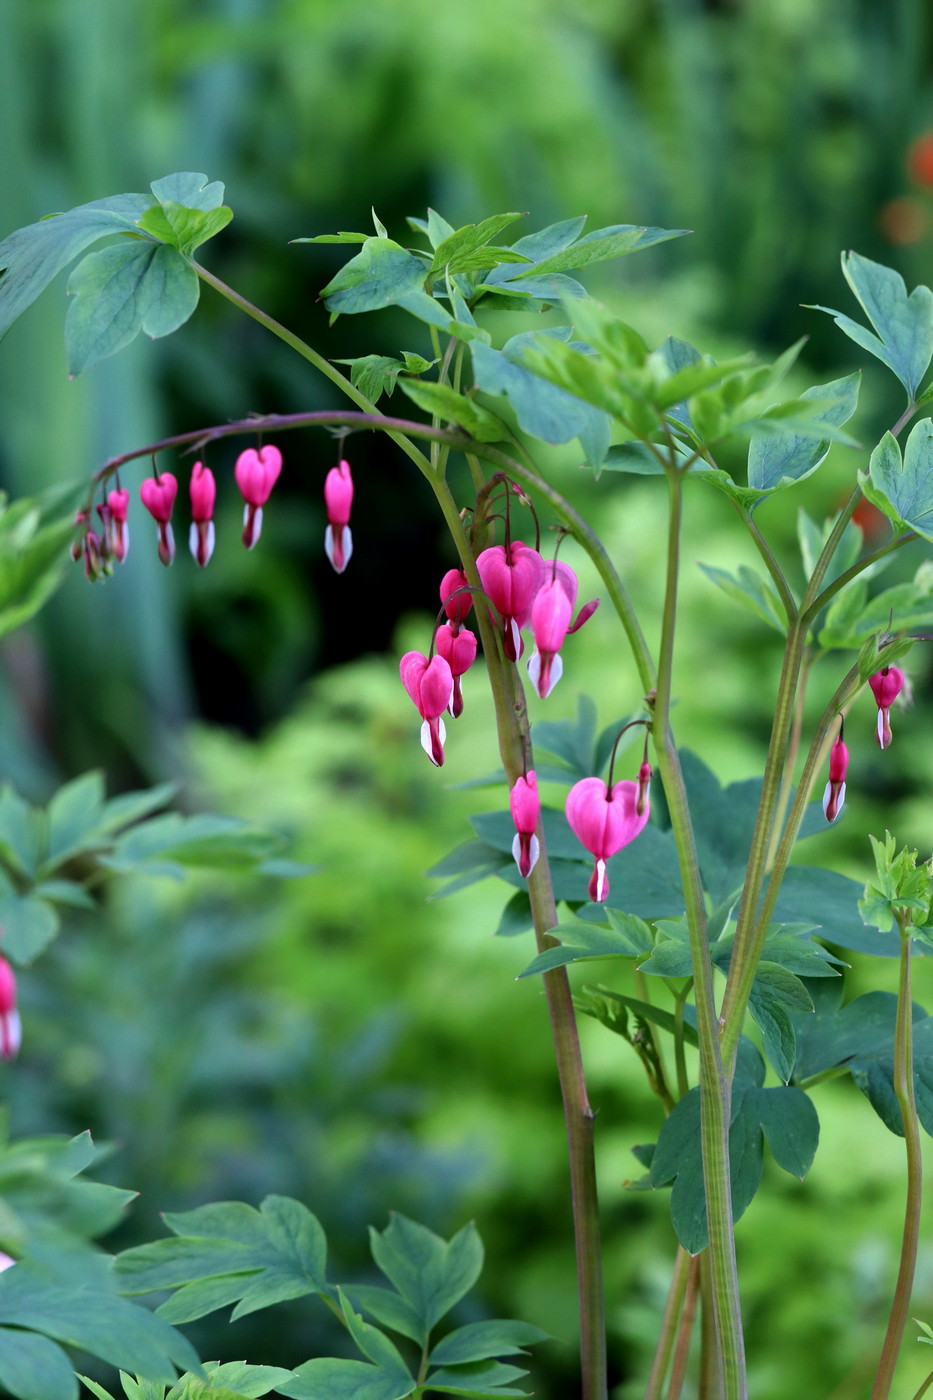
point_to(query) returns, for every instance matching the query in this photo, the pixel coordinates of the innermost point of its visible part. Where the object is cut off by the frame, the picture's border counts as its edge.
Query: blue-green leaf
(903, 488)
(380, 274)
(479, 1341)
(629, 937)
(34, 1368)
(782, 458)
(327, 1378)
(430, 1273)
(904, 324)
(122, 290)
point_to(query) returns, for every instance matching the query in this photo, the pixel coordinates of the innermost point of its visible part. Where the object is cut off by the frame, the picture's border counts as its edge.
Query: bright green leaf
(445, 403)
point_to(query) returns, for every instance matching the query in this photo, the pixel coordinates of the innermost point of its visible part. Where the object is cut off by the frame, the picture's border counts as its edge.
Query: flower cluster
(886, 685)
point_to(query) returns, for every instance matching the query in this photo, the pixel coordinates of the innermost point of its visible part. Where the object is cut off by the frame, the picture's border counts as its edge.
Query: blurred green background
(341, 1038)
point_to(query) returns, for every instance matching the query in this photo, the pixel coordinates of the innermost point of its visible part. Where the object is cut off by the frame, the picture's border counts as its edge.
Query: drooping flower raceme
(256, 473)
(203, 491)
(457, 645)
(430, 685)
(10, 1030)
(511, 577)
(158, 496)
(886, 686)
(834, 794)
(604, 822)
(338, 498)
(525, 805)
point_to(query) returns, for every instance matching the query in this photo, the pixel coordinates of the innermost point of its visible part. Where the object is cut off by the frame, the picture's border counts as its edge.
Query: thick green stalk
(715, 1087)
(514, 744)
(904, 1091)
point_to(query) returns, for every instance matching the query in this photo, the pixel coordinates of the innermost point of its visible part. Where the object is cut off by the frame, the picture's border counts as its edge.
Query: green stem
(831, 589)
(669, 1325)
(918, 1395)
(787, 778)
(680, 1049)
(904, 1092)
(685, 1333)
(302, 348)
(514, 744)
(715, 1087)
(773, 567)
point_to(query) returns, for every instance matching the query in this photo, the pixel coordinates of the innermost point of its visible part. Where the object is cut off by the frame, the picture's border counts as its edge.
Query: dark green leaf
(34, 1368)
(516, 916)
(73, 812)
(387, 1307)
(327, 1378)
(903, 488)
(372, 1343)
(904, 323)
(380, 274)
(122, 290)
(480, 1379)
(815, 896)
(430, 1273)
(791, 1127)
(780, 459)
(629, 938)
(32, 256)
(542, 409)
(775, 995)
(374, 375)
(479, 1341)
(29, 924)
(444, 403)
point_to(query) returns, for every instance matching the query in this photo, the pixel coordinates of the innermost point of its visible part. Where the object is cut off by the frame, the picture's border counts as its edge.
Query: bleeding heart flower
(158, 496)
(886, 686)
(835, 794)
(119, 531)
(525, 805)
(10, 1029)
(430, 685)
(457, 608)
(457, 645)
(511, 577)
(256, 473)
(338, 498)
(203, 490)
(604, 822)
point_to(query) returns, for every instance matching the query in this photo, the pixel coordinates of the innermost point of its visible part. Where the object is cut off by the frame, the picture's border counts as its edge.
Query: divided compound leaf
(430, 1273)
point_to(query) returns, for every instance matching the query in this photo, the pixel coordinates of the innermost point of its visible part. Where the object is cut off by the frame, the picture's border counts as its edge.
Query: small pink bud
(644, 783)
(458, 648)
(551, 612)
(338, 498)
(158, 496)
(604, 822)
(256, 473)
(525, 805)
(457, 608)
(886, 686)
(118, 500)
(203, 491)
(430, 685)
(92, 549)
(10, 1029)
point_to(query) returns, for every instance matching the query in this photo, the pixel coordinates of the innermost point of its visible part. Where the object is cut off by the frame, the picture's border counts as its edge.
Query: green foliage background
(339, 1038)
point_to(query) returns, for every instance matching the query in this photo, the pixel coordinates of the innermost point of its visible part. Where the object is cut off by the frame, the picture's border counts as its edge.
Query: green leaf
(780, 459)
(850, 619)
(754, 591)
(387, 1307)
(431, 1274)
(33, 559)
(261, 1257)
(480, 1341)
(516, 916)
(904, 324)
(629, 937)
(542, 409)
(456, 250)
(32, 256)
(20, 833)
(166, 844)
(481, 1380)
(34, 1368)
(29, 925)
(122, 290)
(812, 895)
(903, 488)
(180, 227)
(435, 226)
(74, 811)
(372, 1343)
(787, 1117)
(86, 1315)
(612, 242)
(374, 375)
(860, 1036)
(229, 1378)
(190, 189)
(445, 403)
(327, 1378)
(380, 274)
(777, 993)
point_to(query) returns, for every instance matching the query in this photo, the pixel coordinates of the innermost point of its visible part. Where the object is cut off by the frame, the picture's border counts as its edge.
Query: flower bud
(158, 496)
(430, 685)
(203, 491)
(256, 473)
(886, 686)
(338, 498)
(458, 648)
(525, 805)
(10, 1029)
(834, 794)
